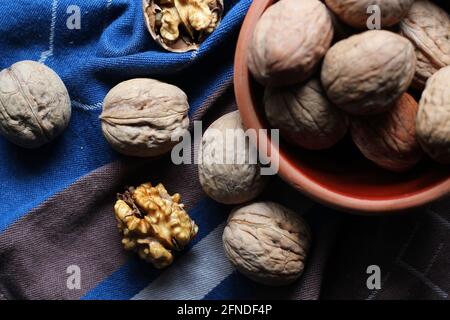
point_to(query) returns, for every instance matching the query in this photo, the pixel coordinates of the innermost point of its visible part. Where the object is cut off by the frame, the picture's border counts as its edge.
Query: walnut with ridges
(153, 223)
(267, 242)
(289, 41)
(34, 104)
(433, 119)
(366, 73)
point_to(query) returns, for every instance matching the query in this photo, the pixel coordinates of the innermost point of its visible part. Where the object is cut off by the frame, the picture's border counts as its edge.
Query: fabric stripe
(194, 275)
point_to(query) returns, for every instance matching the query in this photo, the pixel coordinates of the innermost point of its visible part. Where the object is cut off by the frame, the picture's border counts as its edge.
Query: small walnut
(428, 28)
(354, 13)
(289, 41)
(182, 25)
(153, 223)
(433, 119)
(228, 168)
(141, 117)
(305, 116)
(366, 73)
(389, 139)
(34, 104)
(267, 243)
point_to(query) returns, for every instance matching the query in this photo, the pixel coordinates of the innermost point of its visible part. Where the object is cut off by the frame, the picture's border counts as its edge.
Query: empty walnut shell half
(153, 223)
(182, 25)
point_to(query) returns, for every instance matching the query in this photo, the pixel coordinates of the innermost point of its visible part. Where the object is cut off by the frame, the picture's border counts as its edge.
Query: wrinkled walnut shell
(267, 243)
(189, 38)
(237, 181)
(389, 139)
(141, 117)
(433, 119)
(153, 223)
(34, 104)
(354, 13)
(366, 73)
(305, 116)
(428, 28)
(289, 41)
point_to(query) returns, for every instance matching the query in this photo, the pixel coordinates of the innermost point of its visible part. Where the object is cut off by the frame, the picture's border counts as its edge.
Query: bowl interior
(341, 176)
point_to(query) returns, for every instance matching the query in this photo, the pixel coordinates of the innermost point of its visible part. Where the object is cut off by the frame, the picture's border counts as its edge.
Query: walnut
(304, 115)
(289, 41)
(389, 139)
(267, 243)
(182, 25)
(354, 13)
(141, 117)
(34, 104)
(428, 28)
(226, 171)
(433, 119)
(153, 223)
(366, 73)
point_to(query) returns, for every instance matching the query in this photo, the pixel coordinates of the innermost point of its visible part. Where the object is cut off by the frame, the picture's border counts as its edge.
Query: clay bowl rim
(287, 170)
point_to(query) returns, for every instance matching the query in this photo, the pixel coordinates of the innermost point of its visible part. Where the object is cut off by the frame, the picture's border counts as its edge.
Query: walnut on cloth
(182, 25)
(153, 223)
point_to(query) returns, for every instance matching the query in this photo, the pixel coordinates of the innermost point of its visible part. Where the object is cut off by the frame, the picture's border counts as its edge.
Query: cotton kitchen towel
(56, 202)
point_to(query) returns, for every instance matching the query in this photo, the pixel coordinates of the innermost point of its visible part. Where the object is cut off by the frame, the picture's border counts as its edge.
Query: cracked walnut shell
(144, 117)
(366, 73)
(153, 223)
(34, 104)
(267, 242)
(182, 25)
(289, 41)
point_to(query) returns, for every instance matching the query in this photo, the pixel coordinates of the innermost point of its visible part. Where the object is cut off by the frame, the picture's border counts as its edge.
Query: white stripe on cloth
(51, 41)
(193, 275)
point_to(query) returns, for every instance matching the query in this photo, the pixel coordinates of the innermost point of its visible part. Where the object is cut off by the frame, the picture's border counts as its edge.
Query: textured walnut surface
(304, 115)
(433, 119)
(34, 104)
(428, 28)
(267, 242)
(366, 73)
(225, 171)
(182, 25)
(141, 115)
(354, 12)
(289, 41)
(390, 139)
(153, 223)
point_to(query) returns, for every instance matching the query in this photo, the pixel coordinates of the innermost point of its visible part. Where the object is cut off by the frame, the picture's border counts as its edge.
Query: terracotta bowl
(339, 177)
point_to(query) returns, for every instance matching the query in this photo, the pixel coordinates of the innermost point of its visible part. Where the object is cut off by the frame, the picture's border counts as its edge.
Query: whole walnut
(141, 117)
(389, 139)
(34, 104)
(229, 173)
(153, 223)
(428, 28)
(355, 13)
(304, 115)
(289, 41)
(433, 119)
(366, 73)
(267, 242)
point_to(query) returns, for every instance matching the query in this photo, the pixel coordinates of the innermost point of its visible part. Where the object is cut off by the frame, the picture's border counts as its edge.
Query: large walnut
(289, 41)
(267, 243)
(144, 117)
(228, 168)
(433, 119)
(153, 223)
(389, 139)
(366, 73)
(304, 115)
(355, 12)
(428, 28)
(34, 104)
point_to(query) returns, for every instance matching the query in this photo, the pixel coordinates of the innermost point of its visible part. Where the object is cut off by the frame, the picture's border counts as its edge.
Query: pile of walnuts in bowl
(380, 73)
